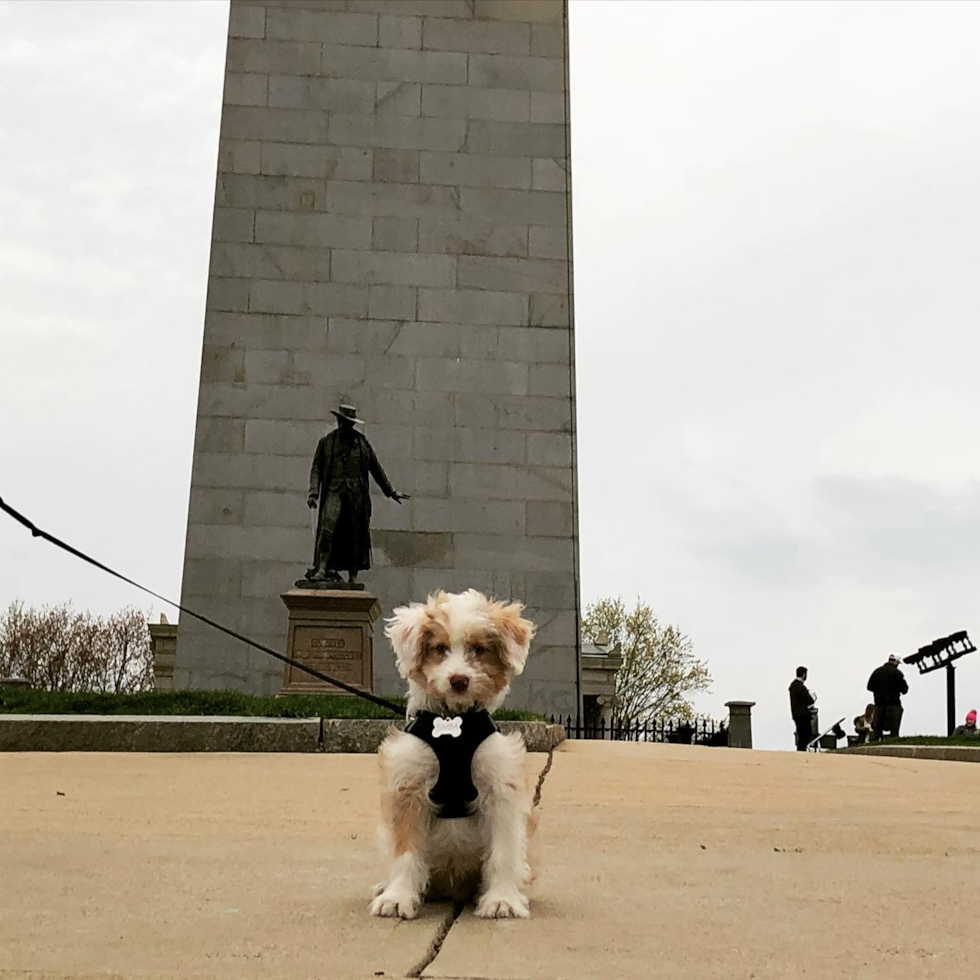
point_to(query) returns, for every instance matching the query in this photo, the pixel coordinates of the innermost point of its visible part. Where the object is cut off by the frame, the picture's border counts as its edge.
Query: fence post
(740, 724)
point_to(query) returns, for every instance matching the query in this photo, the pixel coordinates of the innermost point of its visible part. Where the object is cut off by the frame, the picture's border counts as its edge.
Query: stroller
(824, 741)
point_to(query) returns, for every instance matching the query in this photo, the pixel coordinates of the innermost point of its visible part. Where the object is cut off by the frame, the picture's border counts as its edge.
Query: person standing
(887, 683)
(800, 700)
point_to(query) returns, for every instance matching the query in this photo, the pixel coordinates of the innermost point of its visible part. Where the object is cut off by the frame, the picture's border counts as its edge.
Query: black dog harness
(454, 740)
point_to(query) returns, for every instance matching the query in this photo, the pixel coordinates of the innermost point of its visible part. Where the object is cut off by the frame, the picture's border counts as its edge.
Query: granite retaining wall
(938, 753)
(184, 733)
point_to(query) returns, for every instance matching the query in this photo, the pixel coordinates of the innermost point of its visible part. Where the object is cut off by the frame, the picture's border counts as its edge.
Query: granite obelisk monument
(392, 232)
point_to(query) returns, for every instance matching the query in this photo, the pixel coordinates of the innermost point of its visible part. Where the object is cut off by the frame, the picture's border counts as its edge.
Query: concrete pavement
(210, 865)
(656, 861)
(677, 862)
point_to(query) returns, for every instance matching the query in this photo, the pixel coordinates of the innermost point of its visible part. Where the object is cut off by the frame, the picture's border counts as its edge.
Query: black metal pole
(950, 698)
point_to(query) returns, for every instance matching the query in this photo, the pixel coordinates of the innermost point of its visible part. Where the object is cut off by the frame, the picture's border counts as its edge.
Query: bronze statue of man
(342, 464)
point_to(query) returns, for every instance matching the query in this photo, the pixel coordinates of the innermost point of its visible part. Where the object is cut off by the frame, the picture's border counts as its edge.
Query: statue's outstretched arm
(381, 478)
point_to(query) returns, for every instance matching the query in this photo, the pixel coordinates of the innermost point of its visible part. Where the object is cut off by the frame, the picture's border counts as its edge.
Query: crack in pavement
(541, 776)
(454, 913)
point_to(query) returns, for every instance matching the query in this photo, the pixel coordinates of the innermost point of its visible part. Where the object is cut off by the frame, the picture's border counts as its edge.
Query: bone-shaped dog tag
(447, 726)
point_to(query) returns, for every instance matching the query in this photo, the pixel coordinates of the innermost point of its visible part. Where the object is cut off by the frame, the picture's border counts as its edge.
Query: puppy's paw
(379, 888)
(503, 905)
(395, 905)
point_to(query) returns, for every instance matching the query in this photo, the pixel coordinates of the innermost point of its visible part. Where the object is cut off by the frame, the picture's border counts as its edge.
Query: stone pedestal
(331, 631)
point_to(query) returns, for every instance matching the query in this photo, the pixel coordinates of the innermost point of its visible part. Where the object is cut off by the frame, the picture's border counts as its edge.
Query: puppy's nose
(459, 683)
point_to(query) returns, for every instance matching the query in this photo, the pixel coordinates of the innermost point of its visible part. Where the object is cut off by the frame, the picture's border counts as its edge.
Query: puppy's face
(461, 650)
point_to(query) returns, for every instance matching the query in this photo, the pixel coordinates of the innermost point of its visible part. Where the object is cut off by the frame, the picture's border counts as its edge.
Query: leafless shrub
(59, 649)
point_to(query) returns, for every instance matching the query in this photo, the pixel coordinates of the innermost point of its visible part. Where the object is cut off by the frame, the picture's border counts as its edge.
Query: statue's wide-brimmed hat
(347, 412)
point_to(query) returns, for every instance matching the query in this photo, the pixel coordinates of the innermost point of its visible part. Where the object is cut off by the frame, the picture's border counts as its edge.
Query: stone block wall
(391, 227)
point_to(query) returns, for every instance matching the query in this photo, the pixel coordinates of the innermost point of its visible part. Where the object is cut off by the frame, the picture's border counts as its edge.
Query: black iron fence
(703, 731)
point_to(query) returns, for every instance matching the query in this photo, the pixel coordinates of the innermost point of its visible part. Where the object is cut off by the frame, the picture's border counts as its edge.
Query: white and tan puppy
(458, 653)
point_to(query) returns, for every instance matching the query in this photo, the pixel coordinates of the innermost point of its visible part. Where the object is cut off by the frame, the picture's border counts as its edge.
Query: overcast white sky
(776, 214)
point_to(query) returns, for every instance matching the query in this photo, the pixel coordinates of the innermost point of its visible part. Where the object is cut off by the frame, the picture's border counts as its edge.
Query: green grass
(17, 700)
(919, 740)
(929, 740)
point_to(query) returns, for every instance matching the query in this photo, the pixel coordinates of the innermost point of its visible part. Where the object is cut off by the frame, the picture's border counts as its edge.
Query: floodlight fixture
(943, 653)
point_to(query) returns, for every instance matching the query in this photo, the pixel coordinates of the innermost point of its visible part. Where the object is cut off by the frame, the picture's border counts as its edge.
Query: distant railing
(703, 731)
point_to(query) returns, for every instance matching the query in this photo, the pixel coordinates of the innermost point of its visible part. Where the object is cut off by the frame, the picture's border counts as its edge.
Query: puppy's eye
(479, 649)
(441, 649)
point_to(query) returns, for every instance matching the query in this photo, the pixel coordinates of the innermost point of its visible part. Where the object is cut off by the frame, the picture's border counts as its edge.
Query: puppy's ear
(404, 630)
(517, 633)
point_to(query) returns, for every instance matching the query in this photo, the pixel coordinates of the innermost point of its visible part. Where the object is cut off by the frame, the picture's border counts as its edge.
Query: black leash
(38, 533)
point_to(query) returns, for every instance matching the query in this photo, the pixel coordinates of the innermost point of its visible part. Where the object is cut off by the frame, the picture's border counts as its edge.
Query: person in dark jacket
(800, 700)
(969, 730)
(887, 684)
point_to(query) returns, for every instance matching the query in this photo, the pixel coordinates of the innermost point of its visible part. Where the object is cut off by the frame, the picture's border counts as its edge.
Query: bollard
(740, 724)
